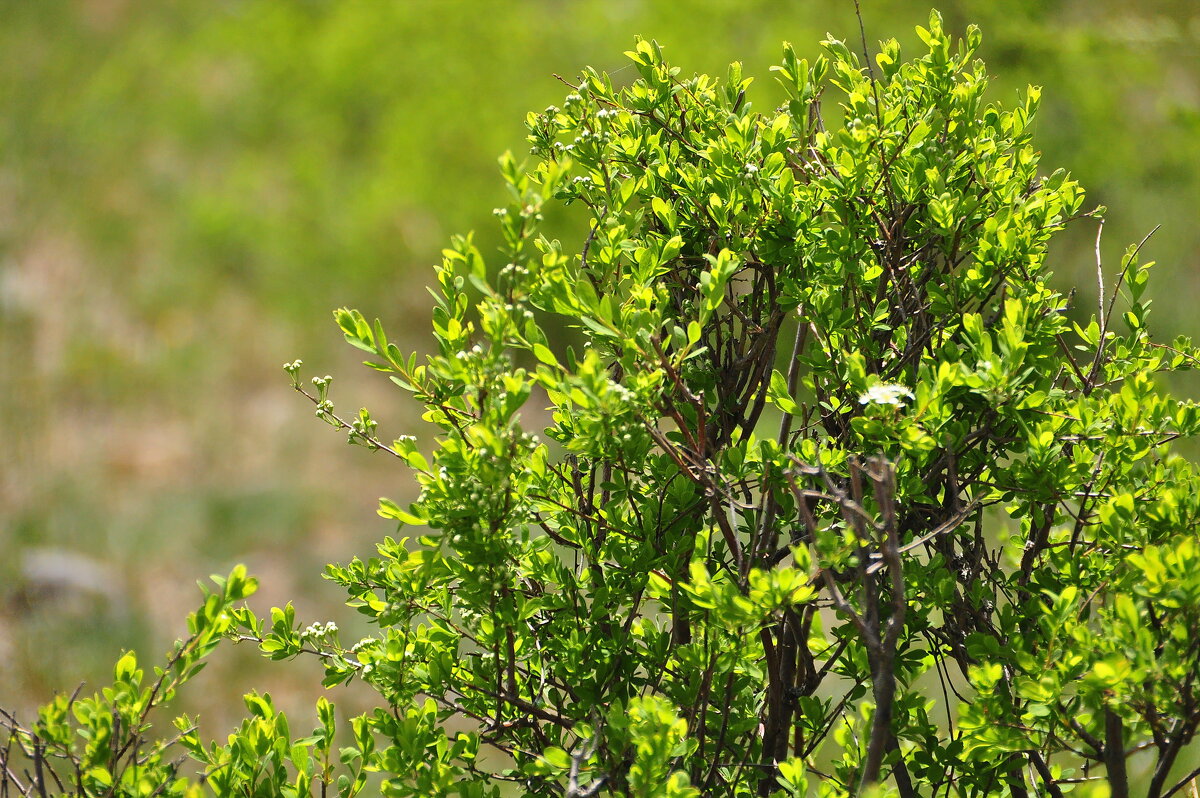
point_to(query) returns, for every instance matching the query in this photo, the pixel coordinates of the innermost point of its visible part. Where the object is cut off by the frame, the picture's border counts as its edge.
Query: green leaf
(557, 757)
(389, 509)
(597, 327)
(779, 395)
(543, 353)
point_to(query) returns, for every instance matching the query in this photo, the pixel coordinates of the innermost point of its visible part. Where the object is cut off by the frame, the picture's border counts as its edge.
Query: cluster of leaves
(832, 451)
(103, 744)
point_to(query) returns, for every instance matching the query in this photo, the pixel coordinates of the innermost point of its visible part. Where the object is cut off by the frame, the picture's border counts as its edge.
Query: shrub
(834, 495)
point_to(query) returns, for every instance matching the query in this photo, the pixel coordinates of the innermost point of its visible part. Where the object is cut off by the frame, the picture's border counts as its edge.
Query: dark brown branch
(1114, 754)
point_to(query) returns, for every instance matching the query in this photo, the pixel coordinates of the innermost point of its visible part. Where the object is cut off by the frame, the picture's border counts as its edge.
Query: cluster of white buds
(622, 393)
(293, 371)
(318, 630)
(511, 270)
(364, 643)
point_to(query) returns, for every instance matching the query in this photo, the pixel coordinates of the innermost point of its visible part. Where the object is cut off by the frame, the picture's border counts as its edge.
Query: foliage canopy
(835, 496)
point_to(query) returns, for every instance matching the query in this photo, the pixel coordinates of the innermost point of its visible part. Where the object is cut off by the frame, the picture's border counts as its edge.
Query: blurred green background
(188, 187)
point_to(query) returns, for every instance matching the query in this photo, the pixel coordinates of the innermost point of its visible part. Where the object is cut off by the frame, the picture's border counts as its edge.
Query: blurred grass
(188, 188)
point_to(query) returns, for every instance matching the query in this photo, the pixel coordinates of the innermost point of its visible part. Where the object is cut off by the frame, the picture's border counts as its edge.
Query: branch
(883, 674)
(1189, 778)
(1114, 755)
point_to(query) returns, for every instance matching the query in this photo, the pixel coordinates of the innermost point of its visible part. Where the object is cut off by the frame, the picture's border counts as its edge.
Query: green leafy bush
(834, 496)
(101, 744)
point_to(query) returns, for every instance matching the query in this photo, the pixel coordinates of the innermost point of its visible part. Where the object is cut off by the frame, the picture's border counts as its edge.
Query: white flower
(884, 394)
